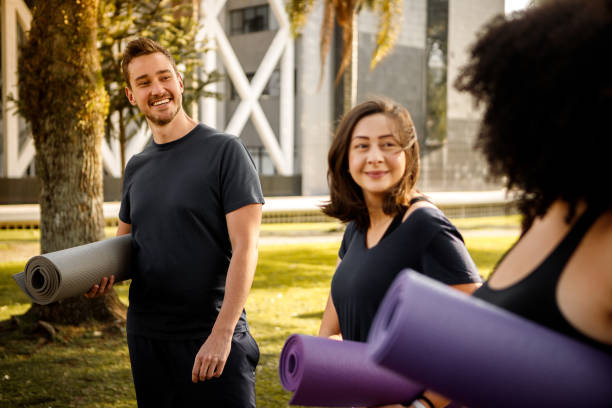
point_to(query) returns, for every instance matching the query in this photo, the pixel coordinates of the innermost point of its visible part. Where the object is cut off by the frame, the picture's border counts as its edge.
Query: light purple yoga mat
(329, 373)
(481, 355)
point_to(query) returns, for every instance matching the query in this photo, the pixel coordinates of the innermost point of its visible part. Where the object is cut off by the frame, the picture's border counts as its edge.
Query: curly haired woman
(545, 78)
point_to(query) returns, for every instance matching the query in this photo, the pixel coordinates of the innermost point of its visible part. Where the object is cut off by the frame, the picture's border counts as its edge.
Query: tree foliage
(344, 12)
(175, 26)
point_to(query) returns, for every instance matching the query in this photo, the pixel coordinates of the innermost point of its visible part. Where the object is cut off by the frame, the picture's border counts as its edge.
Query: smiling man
(192, 202)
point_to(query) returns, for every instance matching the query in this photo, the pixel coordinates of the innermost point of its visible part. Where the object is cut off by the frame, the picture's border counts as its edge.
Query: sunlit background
(514, 5)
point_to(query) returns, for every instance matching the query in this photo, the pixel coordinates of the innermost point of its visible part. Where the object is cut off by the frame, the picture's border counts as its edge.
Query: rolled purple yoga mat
(329, 373)
(481, 355)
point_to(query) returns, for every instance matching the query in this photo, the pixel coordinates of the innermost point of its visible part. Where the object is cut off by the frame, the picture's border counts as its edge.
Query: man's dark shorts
(162, 374)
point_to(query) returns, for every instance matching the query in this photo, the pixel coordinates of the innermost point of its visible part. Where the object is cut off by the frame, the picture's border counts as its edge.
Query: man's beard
(162, 121)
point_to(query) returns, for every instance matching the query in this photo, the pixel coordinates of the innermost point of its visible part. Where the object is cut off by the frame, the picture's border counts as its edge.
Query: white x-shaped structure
(282, 49)
(15, 15)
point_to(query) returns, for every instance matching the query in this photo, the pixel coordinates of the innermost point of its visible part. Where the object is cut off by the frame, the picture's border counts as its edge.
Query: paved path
(27, 214)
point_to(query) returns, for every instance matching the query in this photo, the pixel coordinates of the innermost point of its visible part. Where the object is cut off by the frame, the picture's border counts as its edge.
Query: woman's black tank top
(534, 297)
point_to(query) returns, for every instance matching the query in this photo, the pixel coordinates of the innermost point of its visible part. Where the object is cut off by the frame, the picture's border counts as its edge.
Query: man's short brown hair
(138, 47)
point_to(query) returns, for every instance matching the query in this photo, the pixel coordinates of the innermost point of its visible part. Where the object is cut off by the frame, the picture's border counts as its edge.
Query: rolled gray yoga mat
(480, 355)
(71, 272)
(328, 373)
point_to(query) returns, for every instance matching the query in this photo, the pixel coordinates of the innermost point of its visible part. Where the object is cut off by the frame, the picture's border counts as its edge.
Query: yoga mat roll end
(289, 365)
(71, 272)
(20, 280)
(328, 373)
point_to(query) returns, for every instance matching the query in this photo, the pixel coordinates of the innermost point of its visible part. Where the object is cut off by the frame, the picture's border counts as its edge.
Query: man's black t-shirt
(176, 196)
(426, 242)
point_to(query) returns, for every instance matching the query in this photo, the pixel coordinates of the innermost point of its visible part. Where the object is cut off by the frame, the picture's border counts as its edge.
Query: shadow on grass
(313, 315)
(77, 369)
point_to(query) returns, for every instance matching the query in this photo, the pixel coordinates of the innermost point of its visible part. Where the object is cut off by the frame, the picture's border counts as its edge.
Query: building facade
(271, 97)
(419, 73)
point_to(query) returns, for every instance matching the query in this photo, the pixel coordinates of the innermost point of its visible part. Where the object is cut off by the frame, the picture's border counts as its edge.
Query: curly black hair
(545, 78)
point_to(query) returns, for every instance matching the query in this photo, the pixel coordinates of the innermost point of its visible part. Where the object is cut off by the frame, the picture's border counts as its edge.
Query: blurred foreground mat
(480, 355)
(328, 373)
(71, 272)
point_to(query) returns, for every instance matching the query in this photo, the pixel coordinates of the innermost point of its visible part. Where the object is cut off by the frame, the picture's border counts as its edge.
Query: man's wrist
(226, 332)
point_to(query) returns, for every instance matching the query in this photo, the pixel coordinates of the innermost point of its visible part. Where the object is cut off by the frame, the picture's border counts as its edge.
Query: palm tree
(345, 12)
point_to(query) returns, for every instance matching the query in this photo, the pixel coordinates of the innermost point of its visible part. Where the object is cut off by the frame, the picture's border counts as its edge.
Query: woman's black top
(426, 242)
(534, 297)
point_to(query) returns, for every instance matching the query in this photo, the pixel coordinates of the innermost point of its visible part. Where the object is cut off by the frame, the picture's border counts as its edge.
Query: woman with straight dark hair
(373, 171)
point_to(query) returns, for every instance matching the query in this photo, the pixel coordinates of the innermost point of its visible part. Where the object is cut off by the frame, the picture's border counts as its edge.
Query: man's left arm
(243, 228)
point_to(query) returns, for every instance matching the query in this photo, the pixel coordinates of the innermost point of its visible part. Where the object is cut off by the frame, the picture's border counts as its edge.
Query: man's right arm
(123, 228)
(106, 284)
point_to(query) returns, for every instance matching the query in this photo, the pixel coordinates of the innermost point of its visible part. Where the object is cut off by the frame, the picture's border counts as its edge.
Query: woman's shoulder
(428, 220)
(350, 230)
(425, 213)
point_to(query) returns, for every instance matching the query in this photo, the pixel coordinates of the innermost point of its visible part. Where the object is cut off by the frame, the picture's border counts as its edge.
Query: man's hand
(103, 288)
(211, 358)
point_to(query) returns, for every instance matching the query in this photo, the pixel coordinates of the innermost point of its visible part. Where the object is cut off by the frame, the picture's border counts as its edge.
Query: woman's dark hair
(545, 78)
(346, 198)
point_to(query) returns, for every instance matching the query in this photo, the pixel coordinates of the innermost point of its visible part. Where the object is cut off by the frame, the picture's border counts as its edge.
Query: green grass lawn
(89, 366)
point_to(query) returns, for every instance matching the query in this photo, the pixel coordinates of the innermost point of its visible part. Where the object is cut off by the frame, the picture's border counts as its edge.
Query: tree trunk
(65, 102)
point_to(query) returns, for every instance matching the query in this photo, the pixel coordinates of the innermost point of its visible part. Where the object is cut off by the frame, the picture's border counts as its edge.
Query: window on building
(436, 57)
(272, 88)
(251, 19)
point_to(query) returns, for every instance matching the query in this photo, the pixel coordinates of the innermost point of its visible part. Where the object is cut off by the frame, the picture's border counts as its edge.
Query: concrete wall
(314, 108)
(400, 75)
(455, 165)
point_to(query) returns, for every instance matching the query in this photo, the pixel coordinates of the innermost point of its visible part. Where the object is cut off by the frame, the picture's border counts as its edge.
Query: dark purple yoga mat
(329, 373)
(481, 355)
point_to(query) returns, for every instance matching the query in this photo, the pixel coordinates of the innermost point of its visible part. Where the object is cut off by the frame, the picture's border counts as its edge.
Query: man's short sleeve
(240, 184)
(124, 210)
